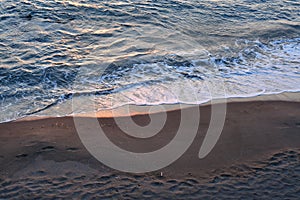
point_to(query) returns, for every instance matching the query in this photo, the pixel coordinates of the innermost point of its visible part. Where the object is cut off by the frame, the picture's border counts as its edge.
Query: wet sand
(257, 155)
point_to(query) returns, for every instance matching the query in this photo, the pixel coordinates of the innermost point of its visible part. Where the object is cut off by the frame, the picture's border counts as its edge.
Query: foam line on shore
(133, 110)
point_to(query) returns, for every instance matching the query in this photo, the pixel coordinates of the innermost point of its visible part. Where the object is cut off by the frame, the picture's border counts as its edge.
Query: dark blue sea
(149, 52)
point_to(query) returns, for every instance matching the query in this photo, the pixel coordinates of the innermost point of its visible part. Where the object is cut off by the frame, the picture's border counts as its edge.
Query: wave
(247, 68)
(143, 52)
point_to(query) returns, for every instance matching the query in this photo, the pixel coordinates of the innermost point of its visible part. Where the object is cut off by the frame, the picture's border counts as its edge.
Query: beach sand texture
(258, 154)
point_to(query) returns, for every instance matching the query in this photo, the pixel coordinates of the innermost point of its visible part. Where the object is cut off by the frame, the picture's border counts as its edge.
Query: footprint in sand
(72, 149)
(23, 155)
(47, 148)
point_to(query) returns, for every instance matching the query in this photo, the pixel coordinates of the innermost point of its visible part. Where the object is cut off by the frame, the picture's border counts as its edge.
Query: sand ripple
(275, 178)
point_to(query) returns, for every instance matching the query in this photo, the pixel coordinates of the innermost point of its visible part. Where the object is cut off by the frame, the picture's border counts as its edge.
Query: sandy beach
(149, 99)
(257, 155)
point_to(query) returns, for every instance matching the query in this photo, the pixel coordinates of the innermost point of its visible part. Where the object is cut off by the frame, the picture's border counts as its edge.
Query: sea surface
(111, 53)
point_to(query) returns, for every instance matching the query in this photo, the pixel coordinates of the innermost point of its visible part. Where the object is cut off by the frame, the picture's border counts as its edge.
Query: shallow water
(144, 52)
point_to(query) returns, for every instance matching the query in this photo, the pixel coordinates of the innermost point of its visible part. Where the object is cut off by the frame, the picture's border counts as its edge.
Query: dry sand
(257, 156)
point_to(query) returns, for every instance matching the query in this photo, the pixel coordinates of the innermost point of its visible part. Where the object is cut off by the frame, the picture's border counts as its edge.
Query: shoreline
(133, 110)
(251, 129)
(258, 137)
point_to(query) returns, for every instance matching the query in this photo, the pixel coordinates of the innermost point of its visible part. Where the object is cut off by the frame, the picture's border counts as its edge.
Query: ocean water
(145, 52)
